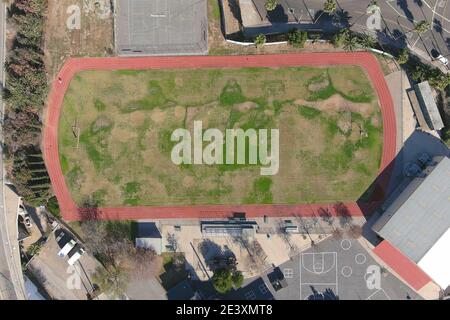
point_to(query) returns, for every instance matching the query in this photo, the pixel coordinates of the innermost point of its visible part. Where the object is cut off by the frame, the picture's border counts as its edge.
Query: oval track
(69, 209)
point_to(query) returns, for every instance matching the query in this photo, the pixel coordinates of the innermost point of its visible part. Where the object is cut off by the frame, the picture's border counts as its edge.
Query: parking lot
(57, 277)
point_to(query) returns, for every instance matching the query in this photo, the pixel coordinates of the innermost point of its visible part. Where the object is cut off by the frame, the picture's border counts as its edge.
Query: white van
(66, 249)
(73, 257)
(443, 60)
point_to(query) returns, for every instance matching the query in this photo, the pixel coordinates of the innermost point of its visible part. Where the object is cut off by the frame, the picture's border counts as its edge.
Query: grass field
(115, 128)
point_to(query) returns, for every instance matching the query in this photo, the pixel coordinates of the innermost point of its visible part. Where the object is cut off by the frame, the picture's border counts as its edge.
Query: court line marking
(382, 290)
(335, 265)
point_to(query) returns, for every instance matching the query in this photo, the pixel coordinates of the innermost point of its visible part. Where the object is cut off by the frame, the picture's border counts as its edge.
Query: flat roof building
(428, 105)
(149, 237)
(161, 27)
(231, 227)
(417, 223)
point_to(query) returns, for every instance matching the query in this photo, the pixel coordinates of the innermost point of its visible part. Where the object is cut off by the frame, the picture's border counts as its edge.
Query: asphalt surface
(394, 26)
(336, 269)
(398, 18)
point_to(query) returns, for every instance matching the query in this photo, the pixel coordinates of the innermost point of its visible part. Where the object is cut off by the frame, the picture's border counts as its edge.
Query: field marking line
(322, 254)
(439, 15)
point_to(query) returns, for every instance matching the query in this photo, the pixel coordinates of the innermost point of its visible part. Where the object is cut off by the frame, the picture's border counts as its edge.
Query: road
(10, 273)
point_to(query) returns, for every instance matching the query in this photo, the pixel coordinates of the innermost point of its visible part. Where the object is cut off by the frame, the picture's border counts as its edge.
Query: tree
(372, 7)
(368, 41)
(25, 94)
(144, 263)
(257, 258)
(271, 5)
(111, 280)
(340, 38)
(418, 74)
(439, 80)
(422, 26)
(297, 38)
(330, 6)
(172, 242)
(260, 40)
(355, 231)
(222, 280)
(351, 43)
(403, 56)
(238, 279)
(342, 211)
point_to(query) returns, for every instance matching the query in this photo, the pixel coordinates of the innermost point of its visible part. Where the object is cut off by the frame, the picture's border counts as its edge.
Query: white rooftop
(436, 262)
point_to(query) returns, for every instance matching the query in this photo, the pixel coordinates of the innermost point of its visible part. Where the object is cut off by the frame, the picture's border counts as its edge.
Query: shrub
(222, 280)
(340, 38)
(260, 40)
(422, 26)
(297, 38)
(271, 5)
(238, 279)
(403, 56)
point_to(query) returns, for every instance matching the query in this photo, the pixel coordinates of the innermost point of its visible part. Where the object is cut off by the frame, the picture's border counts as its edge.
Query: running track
(68, 207)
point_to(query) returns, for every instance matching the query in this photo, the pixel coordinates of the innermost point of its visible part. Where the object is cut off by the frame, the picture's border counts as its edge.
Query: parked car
(27, 222)
(443, 60)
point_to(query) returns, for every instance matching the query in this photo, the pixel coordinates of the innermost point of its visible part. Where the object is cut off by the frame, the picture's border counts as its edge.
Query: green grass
(126, 119)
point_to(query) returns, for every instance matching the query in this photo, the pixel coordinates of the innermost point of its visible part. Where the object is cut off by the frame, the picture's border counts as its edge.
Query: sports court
(161, 27)
(339, 269)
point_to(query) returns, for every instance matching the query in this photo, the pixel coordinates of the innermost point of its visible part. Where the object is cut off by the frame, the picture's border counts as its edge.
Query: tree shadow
(396, 38)
(403, 4)
(278, 15)
(89, 210)
(341, 18)
(437, 26)
(215, 256)
(343, 214)
(328, 294)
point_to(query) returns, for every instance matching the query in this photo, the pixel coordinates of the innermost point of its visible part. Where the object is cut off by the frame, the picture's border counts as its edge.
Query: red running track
(68, 207)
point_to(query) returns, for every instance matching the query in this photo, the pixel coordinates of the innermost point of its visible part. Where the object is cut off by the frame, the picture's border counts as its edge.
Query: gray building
(428, 106)
(418, 222)
(233, 227)
(161, 27)
(149, 237)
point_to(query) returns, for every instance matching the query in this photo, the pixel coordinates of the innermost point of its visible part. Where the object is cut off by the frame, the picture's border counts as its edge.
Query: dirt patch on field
(77, 28)
(316, 86)
(337, 103)
(246, 106)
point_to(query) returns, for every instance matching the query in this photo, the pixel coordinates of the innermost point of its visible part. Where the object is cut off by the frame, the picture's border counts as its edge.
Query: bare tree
(337, 233)
(355, 231)
(144, 263)
(257, 258)
(172, 241)
(343, 213)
